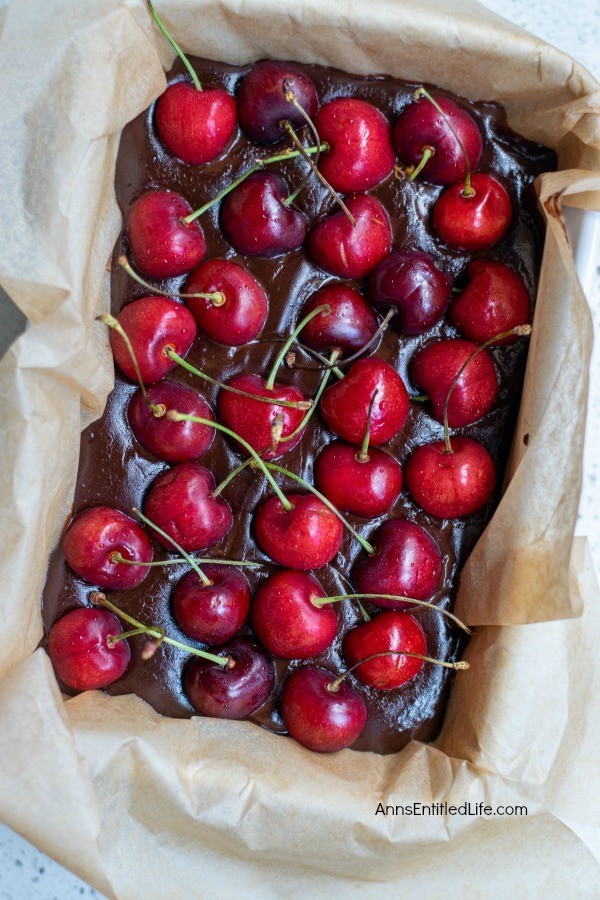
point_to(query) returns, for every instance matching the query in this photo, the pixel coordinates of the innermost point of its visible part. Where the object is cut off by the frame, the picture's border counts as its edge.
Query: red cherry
(153, 325)
(240, 313)
(318, 718)
(494, 300)
(162, 244)
(195, 125)
(435, 367)
(172, 441)
(231, 692)
(305, 537)
(95, 537)
(411, 284)
(180, 502)
(351, 250)
(407, 563)
(256, 221)
(421, 125)
(366, 488)
(390, 630)
(345, 405)
(361, 153)
(80, 652)
(285, 619)
(212, 613)
(451, 485)
(262, 105)
(349, 326)
(473, 222)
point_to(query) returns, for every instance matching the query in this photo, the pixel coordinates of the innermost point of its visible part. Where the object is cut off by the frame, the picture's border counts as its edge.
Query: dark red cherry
(390, 630)
(93, 540)
(451, 485)
(238, 314)
(262, 105)
(407, 563)
(349, 326)
(360, 152)
(351, 250)
(162, 244)
(80, 651)
(195, 125)
(180, 502)
(473, 222)
(256, 221)
(172, 441)
(234, 691)
(305, 537)
(212, 613)
(366, 488)
(320, 719)
(494, 300)
(410, 283)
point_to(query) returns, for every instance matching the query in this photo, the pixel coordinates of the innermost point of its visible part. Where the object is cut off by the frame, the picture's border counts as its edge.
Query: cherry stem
(115, 638)
(323, 601)
(518, 330)
(462, 664)
(217, 298)
(363, 612)
(349, 359)
(315, 353)
(363, 455)
(316, 398)
(176, 47)
(192, 562)
(117, 558)
(468, 190)
(114, 324)
(220, 487)
(428, 152)
(291, 98)
(326, 309)
(301, 404)
(420, 398)
(100, 599)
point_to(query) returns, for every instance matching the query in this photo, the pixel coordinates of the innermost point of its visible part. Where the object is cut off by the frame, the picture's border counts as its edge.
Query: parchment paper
(144, 806)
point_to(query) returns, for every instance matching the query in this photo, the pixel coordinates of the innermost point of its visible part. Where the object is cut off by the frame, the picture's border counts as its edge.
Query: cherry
(93, 540)
(81, 652)
(351, 250)
(345, 405)
(153, 326)
(233, 691)
(256, 220)
(212, 613)
(407, 563)
(451, 484)
(180, 502)
(172, 441)
(237, 311)
(317, 717)
(434, 369)
(363, 487)
(285, 619)
(307, 536)
(494, 300)
(422, 132)
(349, 326)
(390, 630)
(162, 244)
(261, 101)
(473, 219)
(361, 153)
(410, 283)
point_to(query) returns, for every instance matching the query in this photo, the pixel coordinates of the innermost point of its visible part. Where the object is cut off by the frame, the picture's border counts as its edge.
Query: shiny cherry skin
(349, 326)
(420, 125)
(285, 619)
(305, 537)
(320, 719)
(180, 502)
(93, 539)
(494, 300)
(347, 250)
(239, 315)
(235, 691)
(435, 367)
(345, 405)
(473, 223)
(451, 485)
(195, 125)
(410, 283)
(212, 613)
(407, 563)
(80, 651)
(162, 245)
(389, 630)
(360, 152)
(171, 441)
(255, 220)
(366, 488)
(261, 102)
(153, 325)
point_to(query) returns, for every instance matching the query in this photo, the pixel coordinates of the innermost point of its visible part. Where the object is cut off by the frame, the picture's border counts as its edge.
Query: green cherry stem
(158, 409)
(217, 298)
(316, 398)
(350, 359)
(234, 472)
(468, 190)
(192, 562)
(326, 309)
(323, 601)
(428, 152)
(176, 47)
(363, 455)
(334, 686)
(242, 563)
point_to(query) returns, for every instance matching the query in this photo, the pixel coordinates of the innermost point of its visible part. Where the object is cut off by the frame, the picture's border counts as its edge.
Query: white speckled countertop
(27, 874)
